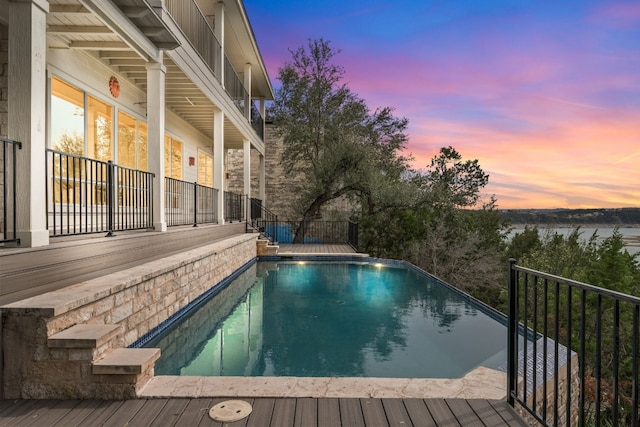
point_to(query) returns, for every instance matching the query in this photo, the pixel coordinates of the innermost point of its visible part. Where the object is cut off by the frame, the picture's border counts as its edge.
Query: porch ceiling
(71, 25)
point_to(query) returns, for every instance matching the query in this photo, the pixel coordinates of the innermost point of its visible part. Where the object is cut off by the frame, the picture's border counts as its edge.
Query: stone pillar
(27, 115)
(218, 161)
(246, 163)
(155, 127)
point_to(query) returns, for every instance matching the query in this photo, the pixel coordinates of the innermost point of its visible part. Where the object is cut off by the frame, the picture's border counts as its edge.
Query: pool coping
(480, 383)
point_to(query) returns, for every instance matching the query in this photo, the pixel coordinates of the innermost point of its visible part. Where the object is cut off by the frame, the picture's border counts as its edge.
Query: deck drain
(230, 411)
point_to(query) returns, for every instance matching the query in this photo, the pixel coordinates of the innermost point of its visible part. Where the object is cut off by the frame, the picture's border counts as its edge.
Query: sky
(545, 93)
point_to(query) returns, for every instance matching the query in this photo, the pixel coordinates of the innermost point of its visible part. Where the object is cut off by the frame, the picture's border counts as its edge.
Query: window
(67, 118)
(99, 129)
(132, 142)
(172, 157)
(205, 169)
(83, 125)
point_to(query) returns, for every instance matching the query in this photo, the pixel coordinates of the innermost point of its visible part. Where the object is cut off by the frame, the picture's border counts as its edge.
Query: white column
(261, 180)
(218, 161)
(27, 116)
(246, 163)
(155, 127)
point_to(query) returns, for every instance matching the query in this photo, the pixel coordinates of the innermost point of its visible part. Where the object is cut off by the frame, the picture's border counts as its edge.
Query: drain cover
(230, 411)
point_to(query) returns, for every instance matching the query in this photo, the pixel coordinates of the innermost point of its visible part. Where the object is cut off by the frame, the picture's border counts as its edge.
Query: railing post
(195, 204)
(110, 190)
(512, 334)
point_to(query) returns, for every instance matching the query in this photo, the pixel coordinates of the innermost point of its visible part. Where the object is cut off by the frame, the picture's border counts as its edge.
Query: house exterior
(126, 103)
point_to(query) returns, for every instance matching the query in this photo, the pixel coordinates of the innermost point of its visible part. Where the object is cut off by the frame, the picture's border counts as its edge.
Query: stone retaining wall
(136, 300)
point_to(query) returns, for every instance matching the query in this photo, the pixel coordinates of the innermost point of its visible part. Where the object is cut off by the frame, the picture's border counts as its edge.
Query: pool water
(323, 319)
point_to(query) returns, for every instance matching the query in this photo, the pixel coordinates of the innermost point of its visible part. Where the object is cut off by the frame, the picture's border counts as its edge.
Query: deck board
(419, 413)
(396, 412)
(442, 415)
(328, 412)
(508, 414)
(463, 413)
(373, 412)
(170, 413)
(306, 412)
(267, 412)
(351, 412)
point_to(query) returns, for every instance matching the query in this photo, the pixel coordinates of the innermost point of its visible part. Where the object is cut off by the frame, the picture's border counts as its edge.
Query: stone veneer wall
(280, 185)
(136, 299)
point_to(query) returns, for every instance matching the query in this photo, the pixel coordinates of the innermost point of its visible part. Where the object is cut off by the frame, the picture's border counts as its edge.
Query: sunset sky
(545, 94)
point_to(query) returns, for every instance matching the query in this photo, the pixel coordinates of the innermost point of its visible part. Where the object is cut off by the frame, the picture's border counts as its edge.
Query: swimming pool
(333, 319)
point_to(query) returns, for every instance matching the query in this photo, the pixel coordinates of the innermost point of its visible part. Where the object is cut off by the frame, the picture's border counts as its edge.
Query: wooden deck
(313, 249)
(267, 412)
(69, 260)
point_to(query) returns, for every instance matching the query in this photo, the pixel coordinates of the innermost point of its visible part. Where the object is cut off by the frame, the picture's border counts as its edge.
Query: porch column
(27, 116)
(218, 161)
(261, 180)
(155, 127)
(246, 163)
(262, 172)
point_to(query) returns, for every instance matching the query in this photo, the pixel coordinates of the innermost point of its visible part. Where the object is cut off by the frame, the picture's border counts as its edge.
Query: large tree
(330, 136)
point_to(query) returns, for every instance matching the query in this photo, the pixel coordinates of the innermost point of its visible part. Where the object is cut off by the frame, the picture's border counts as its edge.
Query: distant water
(587, 232)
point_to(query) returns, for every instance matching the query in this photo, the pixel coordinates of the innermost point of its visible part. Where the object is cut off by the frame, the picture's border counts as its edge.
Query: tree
(329, 134)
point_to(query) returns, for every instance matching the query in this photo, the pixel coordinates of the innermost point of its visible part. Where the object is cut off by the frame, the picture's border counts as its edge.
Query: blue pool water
(333, 319)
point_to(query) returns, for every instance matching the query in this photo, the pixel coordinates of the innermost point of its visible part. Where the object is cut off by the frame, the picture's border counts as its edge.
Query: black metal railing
(197, 30)
(311, 232)
(233, 207)
(580, 365)
(8, 183)
(188, 203)
(257, 122)
(90, 196)
(353, 235)
(235, 88)
(262, 219)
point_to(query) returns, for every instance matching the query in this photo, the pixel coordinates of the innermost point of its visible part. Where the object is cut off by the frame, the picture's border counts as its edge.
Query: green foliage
(330, 137)
(604, 264)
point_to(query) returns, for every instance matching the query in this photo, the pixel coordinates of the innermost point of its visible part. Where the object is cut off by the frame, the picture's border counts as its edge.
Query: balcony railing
(235, 88)
(257, 122)
(8, 190)
(582, 365)
(189, 203)
(197, 30)
(90, 196)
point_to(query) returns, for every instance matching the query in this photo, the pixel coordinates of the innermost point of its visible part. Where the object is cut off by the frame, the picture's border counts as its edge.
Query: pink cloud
(624, 15)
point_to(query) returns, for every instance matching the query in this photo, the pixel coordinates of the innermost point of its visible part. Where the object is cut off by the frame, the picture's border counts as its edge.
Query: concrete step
(83, 336)
(126, 361)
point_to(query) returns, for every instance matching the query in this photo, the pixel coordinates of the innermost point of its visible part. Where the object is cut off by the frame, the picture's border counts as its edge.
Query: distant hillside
(621, 216)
